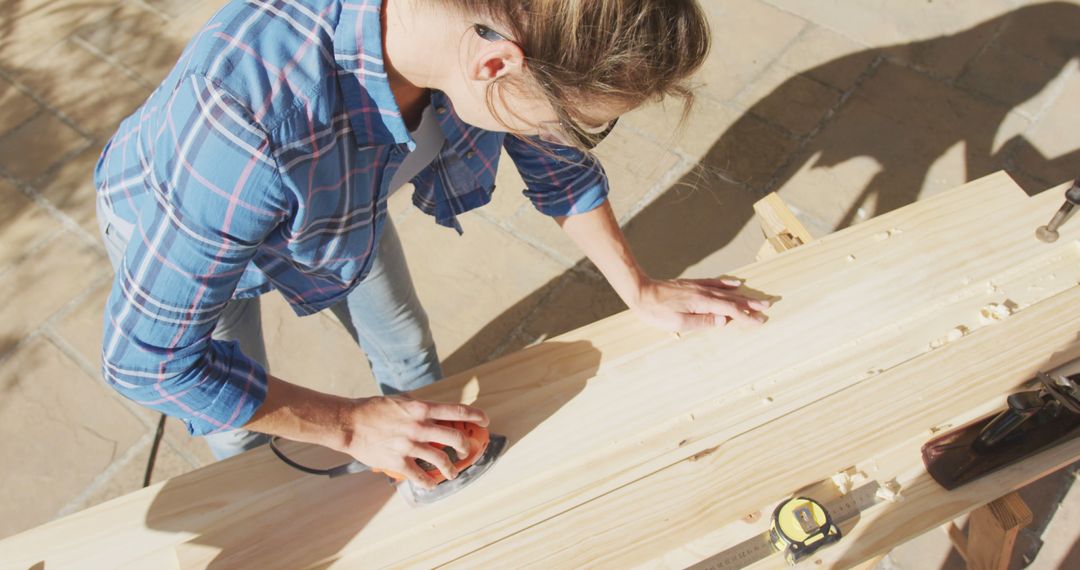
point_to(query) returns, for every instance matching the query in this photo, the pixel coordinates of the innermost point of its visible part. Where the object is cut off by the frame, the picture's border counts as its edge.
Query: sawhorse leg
(992, 531)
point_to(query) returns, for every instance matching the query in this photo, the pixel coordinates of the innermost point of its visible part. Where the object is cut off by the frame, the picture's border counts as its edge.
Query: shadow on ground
(903, 106)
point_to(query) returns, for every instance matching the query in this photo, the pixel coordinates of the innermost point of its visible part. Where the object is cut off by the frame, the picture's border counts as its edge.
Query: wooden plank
(992, 531)
(777, 218)
(667, 513)
(958, 539)
(783, 231)
(606, 407)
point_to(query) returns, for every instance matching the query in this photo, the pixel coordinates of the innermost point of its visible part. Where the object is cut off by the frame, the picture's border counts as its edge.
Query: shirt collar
(373, 111)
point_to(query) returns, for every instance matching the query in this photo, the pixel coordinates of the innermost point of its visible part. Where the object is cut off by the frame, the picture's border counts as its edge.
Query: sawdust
(843, 483)
(890, 492)
(891, 232)
(955, 334)
(995, 312)
(848, 479)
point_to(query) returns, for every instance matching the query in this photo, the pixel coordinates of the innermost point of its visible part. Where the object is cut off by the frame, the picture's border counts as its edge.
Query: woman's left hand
(682, 305)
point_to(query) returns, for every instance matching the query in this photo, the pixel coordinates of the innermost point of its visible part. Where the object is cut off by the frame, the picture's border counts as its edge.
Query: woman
(264, 161)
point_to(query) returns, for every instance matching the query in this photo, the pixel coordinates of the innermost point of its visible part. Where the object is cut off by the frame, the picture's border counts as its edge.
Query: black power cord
(153, 451)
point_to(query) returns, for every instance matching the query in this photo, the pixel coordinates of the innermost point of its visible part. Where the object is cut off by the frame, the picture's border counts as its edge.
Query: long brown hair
(627, 52)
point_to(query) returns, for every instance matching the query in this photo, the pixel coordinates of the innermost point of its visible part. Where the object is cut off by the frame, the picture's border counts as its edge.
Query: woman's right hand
(390, 432)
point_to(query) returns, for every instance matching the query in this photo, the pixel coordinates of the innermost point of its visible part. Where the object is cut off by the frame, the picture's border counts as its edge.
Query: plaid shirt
(263, 162)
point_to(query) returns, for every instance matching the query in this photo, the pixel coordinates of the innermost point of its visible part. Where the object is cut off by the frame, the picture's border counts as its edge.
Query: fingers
(394, 432)
(436, 457)
(758, 304)
(721, 283)
(415, 474)
(444, 435)
(729, 308)
(725, 285)
(456, 413)
(693, 321)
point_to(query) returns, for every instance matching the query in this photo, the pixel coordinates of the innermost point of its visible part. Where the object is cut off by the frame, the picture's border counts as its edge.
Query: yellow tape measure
(800, 527)
(789, 515)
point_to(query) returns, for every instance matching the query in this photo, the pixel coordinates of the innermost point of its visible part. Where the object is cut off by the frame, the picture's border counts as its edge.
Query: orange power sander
(484, 449)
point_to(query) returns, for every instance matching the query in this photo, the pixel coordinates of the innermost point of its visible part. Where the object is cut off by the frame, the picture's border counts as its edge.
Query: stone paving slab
(105, 95)
(499, 286)
(747, 36)
(60, 429)
(847, 108)
(892, 143)
(49, 278)
(1060, 548)
(315, 352)
(1048, 150)
(16, 107)
(38, 145)
(22, 226)
(69, 187)
(645, 168)
(29, 27)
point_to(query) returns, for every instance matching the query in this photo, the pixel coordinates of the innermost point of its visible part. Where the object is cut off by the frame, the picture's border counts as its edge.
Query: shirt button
(440, 110)
(470, 154)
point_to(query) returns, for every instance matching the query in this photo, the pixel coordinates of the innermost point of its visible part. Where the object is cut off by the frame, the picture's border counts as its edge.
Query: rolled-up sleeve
(214, 182)
(560, 181)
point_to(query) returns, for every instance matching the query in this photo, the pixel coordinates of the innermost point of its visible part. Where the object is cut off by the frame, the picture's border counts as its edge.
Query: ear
(495, 60)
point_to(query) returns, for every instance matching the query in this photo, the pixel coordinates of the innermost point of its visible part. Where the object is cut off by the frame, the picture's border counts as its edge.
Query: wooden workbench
(630, 446)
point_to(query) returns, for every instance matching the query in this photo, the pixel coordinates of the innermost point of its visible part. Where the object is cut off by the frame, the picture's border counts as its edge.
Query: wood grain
(627, 444)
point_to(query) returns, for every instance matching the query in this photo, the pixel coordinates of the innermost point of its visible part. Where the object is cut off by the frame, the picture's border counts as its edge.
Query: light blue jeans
(383, 315)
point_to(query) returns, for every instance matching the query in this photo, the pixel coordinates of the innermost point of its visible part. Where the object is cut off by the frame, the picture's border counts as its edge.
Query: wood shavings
(882, 236)
(844, 482)
(994, 313)
(889, 492)
(953, 335)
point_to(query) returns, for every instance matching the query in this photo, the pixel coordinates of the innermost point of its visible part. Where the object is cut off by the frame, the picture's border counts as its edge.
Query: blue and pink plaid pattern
(262, 162)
